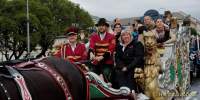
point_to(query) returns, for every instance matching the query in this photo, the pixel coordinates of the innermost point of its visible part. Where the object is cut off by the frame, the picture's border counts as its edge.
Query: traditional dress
(103, 45)
(72, 53)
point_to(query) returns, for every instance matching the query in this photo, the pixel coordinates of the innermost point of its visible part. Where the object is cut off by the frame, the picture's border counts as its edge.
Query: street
(196, 87)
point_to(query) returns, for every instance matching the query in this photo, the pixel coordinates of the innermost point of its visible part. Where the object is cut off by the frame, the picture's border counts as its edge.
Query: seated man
(72, 51)
(101, 48)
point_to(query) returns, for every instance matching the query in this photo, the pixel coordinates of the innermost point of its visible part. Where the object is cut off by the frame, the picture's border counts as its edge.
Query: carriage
(176, 66)
(52, 78)
(55, 79)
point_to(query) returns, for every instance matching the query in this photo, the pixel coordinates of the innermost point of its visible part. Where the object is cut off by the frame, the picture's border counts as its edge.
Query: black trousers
(105, 69)
(126, 79)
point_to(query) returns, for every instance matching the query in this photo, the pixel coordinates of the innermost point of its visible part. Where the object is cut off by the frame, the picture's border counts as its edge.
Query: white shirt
(123, 48)
(102, 36)
(73, 46)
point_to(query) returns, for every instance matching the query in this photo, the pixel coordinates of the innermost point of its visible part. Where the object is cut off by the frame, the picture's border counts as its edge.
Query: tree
(13, 27)
(48, 18)
(193, 31)
(65, 13)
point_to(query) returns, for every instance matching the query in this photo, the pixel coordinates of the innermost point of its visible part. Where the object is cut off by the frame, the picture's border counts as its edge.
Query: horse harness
(4, 88)
(21, 84)
(53, 73)
(18, 78)
(58, 78)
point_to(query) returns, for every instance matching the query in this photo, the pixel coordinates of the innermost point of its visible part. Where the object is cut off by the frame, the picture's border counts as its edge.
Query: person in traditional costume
(73, 50)
(101, 48)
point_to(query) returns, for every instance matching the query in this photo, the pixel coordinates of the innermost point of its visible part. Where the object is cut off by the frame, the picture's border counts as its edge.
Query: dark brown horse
(41, 85)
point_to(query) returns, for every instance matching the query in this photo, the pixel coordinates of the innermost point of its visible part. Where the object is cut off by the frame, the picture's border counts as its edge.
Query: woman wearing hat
(72, 51)
(101, 48)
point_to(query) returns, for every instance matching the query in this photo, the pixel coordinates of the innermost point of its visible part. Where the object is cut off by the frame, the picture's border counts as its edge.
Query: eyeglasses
(117, 27)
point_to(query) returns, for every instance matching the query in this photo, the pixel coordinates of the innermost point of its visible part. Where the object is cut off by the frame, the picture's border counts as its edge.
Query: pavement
(195, 88)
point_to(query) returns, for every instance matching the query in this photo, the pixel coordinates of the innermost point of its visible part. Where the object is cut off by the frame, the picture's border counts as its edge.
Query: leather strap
(58, 78)
(19, 79)
(5, 90)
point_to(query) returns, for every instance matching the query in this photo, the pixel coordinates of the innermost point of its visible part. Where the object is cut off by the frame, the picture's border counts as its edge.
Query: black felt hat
(102, 21)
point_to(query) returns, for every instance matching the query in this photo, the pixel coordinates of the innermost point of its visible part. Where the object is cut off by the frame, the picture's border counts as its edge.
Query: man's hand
(92, 56)
(99, 58)
(82, 36)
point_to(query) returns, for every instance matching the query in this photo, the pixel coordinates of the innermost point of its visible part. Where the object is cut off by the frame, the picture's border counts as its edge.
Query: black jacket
(131, 57)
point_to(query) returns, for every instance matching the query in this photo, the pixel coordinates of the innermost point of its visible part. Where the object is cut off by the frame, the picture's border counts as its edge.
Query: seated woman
(164, 36)
(72, 51)
(129, 55)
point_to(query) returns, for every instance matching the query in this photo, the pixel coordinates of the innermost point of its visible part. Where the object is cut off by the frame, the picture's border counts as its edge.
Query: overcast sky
(129, 8)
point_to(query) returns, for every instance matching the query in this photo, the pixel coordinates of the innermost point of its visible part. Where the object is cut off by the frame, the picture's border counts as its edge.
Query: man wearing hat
(101, 48)
(72, 51)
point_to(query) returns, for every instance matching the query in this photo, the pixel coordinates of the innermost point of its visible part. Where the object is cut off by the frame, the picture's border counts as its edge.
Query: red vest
(67, 53)
(99, 47)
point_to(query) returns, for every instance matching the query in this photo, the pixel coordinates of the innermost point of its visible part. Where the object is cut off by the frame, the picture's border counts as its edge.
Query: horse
(40, 83)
